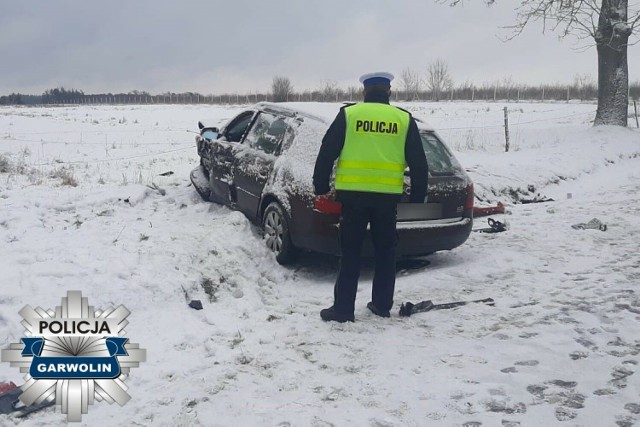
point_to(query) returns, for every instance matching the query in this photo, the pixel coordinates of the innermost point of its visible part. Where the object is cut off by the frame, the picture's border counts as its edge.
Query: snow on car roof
(323, 112)
(293, 109)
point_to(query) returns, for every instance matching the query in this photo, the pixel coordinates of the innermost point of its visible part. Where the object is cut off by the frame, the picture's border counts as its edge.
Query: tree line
(409, 86)
(436, 84)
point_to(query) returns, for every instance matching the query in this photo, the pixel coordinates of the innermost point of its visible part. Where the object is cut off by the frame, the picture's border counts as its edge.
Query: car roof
(323, 112)
(288, 110)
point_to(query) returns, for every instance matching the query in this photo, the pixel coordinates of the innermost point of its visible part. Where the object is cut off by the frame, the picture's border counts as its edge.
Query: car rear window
(440, 160)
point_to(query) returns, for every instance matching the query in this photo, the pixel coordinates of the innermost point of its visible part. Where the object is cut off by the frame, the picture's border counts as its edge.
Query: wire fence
(459, 136)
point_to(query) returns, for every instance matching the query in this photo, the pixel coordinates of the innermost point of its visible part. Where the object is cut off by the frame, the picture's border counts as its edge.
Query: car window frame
(253, 114)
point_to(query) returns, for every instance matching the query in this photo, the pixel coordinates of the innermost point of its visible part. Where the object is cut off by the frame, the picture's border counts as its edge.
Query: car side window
(238, 127)
(267, 133)
(440, 161)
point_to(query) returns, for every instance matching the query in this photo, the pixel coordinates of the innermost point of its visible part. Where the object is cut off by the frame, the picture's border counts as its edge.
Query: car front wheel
(276, 233)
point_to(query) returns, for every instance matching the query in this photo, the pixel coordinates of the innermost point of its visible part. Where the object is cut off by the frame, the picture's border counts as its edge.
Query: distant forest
(328, 92)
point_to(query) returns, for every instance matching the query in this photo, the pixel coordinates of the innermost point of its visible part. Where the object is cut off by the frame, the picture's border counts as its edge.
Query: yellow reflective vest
(372, 159)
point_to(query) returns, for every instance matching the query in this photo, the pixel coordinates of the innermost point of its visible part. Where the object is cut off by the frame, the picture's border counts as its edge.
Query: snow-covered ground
(560, 347)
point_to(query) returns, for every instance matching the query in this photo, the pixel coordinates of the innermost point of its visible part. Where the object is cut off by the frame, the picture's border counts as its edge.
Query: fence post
(495, 92)
(542, 93)
(473, 93)
(506, 129)
(568, 95)
(635, 109)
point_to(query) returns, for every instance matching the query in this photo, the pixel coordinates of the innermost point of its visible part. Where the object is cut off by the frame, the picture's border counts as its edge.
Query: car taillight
(325, 205)
(468, 204)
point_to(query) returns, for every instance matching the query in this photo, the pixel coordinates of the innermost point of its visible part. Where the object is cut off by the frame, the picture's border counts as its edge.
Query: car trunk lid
(447, 197)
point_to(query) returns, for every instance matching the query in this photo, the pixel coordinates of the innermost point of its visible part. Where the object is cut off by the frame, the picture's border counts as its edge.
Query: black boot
(330, 314)
(375, 310)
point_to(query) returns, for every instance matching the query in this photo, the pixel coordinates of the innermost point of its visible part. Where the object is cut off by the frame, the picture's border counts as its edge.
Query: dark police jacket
(332, 144)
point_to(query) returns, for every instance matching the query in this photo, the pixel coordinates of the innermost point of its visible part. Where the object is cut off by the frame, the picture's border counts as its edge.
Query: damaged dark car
(261, 163)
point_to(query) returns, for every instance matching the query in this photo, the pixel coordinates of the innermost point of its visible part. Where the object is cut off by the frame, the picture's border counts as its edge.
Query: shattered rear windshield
(440, 160)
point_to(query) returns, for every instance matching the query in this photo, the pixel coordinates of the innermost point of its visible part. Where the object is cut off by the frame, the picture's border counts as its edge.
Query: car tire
(275, 225)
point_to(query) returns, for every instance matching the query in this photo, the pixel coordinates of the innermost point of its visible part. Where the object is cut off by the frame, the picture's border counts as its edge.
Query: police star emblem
(74, 355)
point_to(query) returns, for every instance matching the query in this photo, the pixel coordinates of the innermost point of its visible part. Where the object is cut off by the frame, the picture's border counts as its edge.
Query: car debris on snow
(594, 224)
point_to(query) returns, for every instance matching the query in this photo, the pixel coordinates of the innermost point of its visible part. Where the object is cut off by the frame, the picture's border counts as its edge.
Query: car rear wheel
(276, 233)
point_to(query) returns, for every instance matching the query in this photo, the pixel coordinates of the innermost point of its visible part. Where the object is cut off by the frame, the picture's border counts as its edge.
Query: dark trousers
(353, 229)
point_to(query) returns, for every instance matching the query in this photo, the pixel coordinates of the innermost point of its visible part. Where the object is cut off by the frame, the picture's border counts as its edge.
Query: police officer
(373, 142)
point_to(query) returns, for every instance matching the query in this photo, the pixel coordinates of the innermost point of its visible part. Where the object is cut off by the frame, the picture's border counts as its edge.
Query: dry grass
(66, 176)
(5, 164)
(210, 288)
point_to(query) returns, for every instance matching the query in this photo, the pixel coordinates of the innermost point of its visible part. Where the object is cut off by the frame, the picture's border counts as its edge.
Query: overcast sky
(239, 45)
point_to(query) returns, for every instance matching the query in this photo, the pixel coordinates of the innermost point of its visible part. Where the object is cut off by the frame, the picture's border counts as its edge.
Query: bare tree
(410, 83)
(354, 93)
(607, 23)
(508, 85)
(329, 90)
(634, 90)
(281, 89)
(467, 90)
(584, 85)
(438, 78)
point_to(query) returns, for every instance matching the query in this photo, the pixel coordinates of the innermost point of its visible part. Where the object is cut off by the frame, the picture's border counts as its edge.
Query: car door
(255, 162)
(223, 156)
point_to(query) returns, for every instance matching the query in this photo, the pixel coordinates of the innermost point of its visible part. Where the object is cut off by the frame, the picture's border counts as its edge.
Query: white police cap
(380, 77)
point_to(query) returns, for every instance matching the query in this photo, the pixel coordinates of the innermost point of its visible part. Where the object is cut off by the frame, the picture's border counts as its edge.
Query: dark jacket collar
(381, 98)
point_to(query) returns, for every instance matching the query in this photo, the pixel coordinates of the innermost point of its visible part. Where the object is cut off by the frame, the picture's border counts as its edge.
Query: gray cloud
(216, 46)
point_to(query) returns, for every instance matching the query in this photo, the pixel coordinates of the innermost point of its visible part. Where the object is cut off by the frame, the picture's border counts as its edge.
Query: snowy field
(83, 206)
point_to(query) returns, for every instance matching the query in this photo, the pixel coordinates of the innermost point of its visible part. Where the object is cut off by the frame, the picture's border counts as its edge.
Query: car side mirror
(200, 125)
(210, 134)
